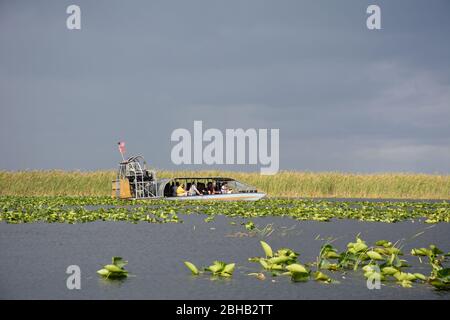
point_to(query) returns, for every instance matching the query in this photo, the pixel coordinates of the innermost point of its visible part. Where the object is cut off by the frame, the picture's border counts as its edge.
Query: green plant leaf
(192, 267)
(117, 275)
(229, 268)
(419, 252)
(267, 249)
(279, 260)
(295, 267)
(217, 267)
(250, 225)
(374, 255)
(369, 268)
(389, 270)
(420, 276)
(358, 247)
(113, 268)
(264, 264)
(299, 276)
(320, 276)
(435, 250)
(276, 267)
(444, 274)
(103, 272)
(406, 283)
(383, 243)
(332, 255)
(118, 261)
(439, 284)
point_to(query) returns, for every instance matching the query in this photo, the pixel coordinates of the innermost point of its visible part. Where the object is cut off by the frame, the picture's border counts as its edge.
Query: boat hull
(224, 197)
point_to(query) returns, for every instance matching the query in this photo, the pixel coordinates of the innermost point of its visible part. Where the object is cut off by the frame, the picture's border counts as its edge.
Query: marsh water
(34, 258)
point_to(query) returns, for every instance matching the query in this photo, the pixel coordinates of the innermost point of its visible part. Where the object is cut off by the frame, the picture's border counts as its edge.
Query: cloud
(337, 92)
(399, 152)
(407, 158)
(410, 96)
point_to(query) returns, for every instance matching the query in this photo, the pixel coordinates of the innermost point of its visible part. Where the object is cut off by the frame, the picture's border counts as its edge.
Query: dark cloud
(343, 97)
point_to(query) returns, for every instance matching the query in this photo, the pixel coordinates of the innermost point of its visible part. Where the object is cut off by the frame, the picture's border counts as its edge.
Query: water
(34, 258)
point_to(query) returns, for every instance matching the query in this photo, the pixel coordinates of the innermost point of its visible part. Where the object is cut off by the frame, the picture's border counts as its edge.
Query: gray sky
(344, 97)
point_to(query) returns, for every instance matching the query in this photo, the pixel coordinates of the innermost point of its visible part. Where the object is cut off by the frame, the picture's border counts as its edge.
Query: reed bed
(283, 184)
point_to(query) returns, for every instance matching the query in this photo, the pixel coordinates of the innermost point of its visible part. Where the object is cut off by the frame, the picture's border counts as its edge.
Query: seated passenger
(193, 191)
(212, 188)
(174, 189)
(202, 188)
(225, 188)
(180, 190)
(209, 188)
(216, 187)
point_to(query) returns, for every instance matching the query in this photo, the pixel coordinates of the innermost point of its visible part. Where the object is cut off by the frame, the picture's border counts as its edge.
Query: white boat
(135, 181)
(225, 197)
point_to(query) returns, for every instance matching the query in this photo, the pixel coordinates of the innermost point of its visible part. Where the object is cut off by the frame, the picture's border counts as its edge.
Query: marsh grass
(283, 184)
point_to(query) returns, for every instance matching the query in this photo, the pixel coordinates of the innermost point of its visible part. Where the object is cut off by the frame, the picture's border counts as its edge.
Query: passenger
(225, 188)
(148, 176)
(202, 188)
(180, 190)
(174, 189)
(193, 191)
(210, 188)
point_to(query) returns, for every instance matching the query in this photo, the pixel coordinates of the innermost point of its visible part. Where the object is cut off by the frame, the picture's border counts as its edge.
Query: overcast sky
(345, 98)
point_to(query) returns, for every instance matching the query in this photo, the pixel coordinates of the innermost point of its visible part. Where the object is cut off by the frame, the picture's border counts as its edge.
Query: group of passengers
(192, 189)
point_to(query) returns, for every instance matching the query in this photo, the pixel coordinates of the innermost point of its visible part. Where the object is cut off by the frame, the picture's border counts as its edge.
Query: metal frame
(141, 188)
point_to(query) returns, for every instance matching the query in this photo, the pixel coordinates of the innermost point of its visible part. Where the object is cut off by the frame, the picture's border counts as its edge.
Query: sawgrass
(283, 184)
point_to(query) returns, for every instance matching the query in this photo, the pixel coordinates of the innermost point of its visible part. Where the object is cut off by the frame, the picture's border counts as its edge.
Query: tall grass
(284, 184)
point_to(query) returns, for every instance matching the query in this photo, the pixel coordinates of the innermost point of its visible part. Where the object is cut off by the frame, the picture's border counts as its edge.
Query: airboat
(135, 181)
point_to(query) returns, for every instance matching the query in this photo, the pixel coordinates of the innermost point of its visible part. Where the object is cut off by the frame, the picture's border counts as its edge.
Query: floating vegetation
(217, 269)
(298, 272)
(249, 225)
(192, 267)
(380, 261)
(221, 269)
(115, 270)
(440, 276)
(276, 262)
(87, 209)
(326, 258)
(261, 232)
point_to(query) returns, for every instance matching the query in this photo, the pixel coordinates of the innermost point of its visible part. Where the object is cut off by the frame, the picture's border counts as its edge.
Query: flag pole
(120, 150)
